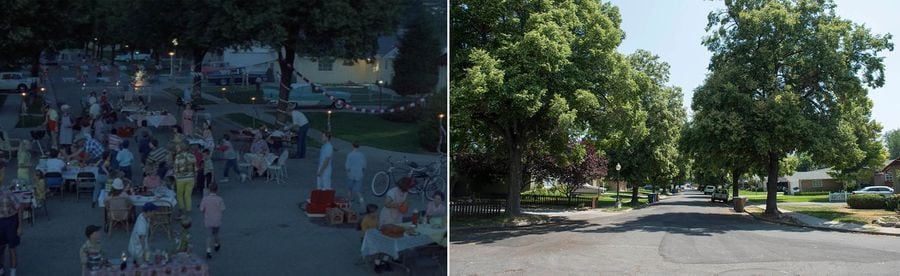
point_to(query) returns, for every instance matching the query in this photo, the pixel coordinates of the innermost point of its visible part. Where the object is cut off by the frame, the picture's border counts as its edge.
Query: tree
(651, 157)
(528, 76)
(416, 66)
(582, 165)
(803, 69)
(892, 139)
(338, 28)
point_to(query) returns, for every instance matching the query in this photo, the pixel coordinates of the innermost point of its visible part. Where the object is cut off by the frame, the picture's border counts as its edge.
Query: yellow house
(340, 71)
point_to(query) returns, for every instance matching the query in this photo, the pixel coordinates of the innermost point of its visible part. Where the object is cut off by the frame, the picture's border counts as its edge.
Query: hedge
(810, 193)
(866, 201)
(891, 202)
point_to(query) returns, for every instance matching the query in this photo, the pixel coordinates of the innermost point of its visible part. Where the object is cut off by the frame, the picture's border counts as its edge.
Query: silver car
(878, 190)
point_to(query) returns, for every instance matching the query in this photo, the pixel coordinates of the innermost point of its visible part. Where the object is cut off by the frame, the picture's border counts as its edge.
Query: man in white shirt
(54, 164)
(323, 170)
(301, 124)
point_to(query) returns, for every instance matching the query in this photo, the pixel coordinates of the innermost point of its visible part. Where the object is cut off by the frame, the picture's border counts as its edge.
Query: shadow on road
(691, 224)
(483, 236)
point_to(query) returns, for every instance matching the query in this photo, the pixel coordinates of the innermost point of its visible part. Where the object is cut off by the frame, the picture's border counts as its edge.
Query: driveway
(684, 235)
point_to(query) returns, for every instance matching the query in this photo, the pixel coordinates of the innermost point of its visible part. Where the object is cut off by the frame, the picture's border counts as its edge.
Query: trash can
(739, 202)
(651, 198)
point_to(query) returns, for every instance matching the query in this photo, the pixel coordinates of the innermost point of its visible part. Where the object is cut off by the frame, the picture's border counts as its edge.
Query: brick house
(814, 181)
(886, 176)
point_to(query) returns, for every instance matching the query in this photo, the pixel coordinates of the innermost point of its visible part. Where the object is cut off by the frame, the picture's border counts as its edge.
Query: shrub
(891, 202)
(866, 201)
(810, 193)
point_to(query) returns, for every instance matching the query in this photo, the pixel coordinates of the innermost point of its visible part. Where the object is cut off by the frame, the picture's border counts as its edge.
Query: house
(362, 71)
(813, 181)
(885, 177)
(319, 70)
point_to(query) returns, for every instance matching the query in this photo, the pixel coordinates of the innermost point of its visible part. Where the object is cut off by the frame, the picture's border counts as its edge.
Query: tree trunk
(634, 195)
(198, 54)
(735, 190)
(36, 64)
(515, 175)
(286, 64)
(772, 185)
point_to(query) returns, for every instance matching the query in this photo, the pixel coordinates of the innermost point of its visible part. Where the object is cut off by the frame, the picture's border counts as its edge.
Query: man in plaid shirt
(93, 147)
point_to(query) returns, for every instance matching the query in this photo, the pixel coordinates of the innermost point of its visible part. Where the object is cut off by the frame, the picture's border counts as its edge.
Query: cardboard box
(334, 216)
(341, 202)
(350, 216)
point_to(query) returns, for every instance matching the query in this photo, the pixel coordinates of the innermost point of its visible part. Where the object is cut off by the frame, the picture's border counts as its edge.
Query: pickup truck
(229, 76)
(303, 95)
(719, 195)
(137, 56)
(16, 81)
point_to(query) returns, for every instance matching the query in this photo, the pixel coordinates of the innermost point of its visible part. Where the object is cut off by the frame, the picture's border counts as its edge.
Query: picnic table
(154, 119)
(71, 172)
(138, 201)
(375, 242)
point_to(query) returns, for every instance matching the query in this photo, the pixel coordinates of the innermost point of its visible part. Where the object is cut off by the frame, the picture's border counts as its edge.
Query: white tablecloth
(375, 242)
(138, 201)
(154, 120)
(72, 172)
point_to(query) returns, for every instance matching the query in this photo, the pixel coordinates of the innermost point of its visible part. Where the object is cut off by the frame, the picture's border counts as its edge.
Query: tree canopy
(802, 72)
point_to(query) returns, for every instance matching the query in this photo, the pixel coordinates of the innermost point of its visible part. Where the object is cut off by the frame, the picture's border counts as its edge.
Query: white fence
(838, 197)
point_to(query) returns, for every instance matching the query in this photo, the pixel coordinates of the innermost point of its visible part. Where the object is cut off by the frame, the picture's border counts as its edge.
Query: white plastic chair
(278, 172)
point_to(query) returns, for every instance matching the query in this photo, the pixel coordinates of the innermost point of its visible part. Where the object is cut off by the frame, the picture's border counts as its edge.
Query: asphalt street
(683, 235)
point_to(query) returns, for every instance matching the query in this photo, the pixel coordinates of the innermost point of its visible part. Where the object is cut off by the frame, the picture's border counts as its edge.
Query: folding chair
(84, 184)
(54, 181)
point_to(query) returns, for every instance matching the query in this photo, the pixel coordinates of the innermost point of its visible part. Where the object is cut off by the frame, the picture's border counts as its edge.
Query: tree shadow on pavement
(691, 224)
(484, 236)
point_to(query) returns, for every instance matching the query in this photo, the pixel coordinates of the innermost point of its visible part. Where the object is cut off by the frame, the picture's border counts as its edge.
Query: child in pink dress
(212, 207)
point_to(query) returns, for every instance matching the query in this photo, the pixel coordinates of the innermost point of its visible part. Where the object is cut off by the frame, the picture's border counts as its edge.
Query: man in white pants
(323, 170)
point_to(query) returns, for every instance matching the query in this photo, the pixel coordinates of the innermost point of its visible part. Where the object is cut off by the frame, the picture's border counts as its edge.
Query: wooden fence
(497, 205)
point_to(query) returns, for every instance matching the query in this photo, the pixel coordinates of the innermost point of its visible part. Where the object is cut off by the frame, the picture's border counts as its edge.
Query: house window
(888, 177)
(325, 64)
(817, 183)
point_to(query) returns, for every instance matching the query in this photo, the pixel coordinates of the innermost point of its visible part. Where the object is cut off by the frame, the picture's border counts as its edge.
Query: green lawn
(236, 94)
(840, 213)
(787, 198)
(178, 93)
(30, 121)
(369, 130)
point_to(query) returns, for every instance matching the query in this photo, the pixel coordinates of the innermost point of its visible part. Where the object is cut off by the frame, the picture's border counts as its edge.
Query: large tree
(805, 72)
(416, 66)
(532, 74)
(346, 29)
(892, 139)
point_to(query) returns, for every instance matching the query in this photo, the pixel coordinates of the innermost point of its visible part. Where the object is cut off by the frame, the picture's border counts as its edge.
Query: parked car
(16, 81)
(878, 190)
(233, 75)
(709, 189)
(137, 56)
(303, 95)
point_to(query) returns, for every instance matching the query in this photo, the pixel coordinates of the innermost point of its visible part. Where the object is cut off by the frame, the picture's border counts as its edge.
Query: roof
(889, 163)
(386, 44)
(817, 174)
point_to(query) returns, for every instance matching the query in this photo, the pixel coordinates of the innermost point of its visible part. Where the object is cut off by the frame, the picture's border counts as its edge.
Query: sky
(673, 29)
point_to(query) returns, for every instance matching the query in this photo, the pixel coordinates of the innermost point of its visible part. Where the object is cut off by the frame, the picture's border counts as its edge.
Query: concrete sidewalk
(828, 224)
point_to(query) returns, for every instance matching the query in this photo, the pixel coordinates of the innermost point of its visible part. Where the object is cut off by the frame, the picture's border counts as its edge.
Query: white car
(15, 81)
(878, 190)
(709, 189)
(137, 56)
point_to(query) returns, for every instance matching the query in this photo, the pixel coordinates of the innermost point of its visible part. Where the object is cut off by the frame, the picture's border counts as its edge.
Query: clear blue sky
(674, 29)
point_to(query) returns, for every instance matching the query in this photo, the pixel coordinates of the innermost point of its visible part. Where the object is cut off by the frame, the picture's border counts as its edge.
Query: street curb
(548, 222)
(820, 227)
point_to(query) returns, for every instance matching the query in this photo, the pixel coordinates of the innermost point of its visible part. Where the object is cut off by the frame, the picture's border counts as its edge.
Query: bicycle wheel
(381, 182)
(433, 185)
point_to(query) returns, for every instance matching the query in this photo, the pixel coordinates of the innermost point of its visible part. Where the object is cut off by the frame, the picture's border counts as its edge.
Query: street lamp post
(329, 120)
(171, 64)
(253, 101)
(618, 199)
(380, 85)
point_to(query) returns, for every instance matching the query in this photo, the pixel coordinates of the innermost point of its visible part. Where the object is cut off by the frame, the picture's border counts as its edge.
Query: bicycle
(426, 179)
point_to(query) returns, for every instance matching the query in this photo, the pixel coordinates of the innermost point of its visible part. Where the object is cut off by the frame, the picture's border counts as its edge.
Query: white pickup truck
(15, 81)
